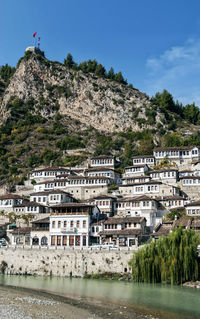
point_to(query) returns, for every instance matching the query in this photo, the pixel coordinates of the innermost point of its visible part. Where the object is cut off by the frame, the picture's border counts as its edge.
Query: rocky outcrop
(104, 104)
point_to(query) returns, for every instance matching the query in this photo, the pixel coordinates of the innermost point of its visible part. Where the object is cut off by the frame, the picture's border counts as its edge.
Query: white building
(178, 154)
(168, 176)
(193, 209)
(30, 208)
(127, 231)
(53, 197)
(48, 173)
(135, 179)
(105, 203)
(139, 206)
(151, 188)
(136, 170)
(144, 159)
(114, 176)
(172, 202)
(88, 181)
(9, 201)
(39, 235)
(103, 160)
(70, 224)
(51, 185)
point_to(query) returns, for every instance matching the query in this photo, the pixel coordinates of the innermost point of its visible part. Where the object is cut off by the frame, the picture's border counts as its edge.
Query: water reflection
(181, 300)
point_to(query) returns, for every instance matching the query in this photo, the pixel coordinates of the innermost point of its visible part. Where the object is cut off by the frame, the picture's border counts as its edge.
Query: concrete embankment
(67, 262)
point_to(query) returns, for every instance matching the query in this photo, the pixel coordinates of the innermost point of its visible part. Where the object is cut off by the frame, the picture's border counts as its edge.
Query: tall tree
(111, 74)
(170, 259)
(69, 62)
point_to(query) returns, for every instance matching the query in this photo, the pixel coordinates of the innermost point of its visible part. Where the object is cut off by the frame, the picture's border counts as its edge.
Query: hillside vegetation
(48, 108)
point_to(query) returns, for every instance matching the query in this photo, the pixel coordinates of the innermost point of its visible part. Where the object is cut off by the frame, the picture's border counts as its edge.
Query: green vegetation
(171, 259)
(175, 213)
(165, 103)
(108, 276)
(6, 72)
(92, 66)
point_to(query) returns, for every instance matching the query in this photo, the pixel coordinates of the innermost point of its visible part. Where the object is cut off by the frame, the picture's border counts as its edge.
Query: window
(84, 224)
(59, 224)
(53, 240)
(58, 240)
(65, 223)
(64, 240)
(71, 240)
(53, 224)
(78, 224)
(72, 223)
(84, 241)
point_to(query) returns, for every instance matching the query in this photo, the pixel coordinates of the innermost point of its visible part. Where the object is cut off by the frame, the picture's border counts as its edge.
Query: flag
(34, 34)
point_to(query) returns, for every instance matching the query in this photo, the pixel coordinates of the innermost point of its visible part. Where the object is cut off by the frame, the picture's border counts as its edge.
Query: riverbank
(23, 303)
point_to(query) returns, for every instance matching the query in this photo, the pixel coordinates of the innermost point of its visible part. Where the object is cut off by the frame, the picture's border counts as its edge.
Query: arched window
(35, 241)
(44, 241)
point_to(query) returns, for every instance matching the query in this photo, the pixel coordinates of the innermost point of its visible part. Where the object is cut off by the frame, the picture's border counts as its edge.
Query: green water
(177, 302)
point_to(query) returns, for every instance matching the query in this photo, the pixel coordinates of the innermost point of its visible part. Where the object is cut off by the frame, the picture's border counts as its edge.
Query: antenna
(39, 43)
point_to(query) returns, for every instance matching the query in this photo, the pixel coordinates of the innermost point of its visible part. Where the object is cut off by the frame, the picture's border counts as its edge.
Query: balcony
(68, 230)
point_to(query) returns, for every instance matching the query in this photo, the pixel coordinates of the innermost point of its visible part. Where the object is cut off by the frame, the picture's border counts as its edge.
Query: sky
(155, 43)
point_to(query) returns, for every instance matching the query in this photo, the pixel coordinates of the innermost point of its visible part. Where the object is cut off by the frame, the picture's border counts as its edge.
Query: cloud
(177, 70)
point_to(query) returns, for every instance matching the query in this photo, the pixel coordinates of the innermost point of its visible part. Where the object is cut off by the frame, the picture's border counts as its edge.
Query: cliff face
(104, 104)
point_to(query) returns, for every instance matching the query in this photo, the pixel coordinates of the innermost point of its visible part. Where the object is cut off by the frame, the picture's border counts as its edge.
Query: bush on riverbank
(171, 259)
(108, 276)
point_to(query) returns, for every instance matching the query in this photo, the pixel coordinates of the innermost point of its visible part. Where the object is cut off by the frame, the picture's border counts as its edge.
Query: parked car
(3, 242)
(109, 245)
(96, 246)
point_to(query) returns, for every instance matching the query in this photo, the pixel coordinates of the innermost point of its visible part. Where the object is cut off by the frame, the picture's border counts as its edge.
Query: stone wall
(63, 262)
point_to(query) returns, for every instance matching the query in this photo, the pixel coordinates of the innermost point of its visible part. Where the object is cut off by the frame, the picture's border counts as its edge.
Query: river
(173, 301)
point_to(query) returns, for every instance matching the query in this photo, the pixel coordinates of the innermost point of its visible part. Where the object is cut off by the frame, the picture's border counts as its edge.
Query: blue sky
(155, 43)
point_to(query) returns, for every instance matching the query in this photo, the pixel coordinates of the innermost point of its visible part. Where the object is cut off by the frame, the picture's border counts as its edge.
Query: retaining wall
(67, 262)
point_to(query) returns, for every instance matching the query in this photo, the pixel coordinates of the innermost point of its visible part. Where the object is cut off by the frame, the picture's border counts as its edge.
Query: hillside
(48, 108)
(94, 101)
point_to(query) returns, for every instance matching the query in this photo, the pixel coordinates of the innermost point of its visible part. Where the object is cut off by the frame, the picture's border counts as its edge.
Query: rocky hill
(106, 105)
(51, 113)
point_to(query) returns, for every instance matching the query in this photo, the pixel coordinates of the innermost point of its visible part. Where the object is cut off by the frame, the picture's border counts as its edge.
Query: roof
(136, 177)
(196, 203)
(163, 230)
(122, 220)
(164, 170)
(183, 221)
(29, 204)
(143, 156)
(142, 183)
(53, 168)
(43, 220)
(53, 181)
(136, 198)
(104, 197)
(88, 177)
(100, 222)
(72, 205)
(11, 196)
(21, 231)
(136, 166)
(102, 156)
(121, 232)
(190, 177)
(175, 197)
(54, 191)
(174, 148)
(100, 168)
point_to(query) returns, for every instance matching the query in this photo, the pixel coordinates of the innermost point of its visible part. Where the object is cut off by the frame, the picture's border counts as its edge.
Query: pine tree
(111, 74)
(69, 62)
